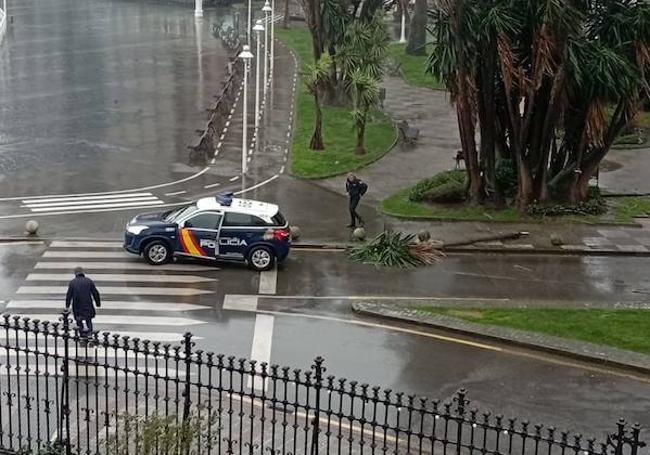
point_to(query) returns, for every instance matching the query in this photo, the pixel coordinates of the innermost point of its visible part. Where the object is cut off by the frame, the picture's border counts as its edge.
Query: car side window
(243, 219)
(204, 221)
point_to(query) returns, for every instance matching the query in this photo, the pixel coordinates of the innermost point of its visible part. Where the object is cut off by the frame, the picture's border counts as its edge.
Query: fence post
(461, 403)
(65, 385)
(318, 385)
(187, 344)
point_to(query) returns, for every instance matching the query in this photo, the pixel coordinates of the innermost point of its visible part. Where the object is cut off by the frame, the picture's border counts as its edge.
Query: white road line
(25, 242)
(268, 281)
(282, 170)
(111, 305)
(124, 320)
(214, 185)
(240, 302)
(38, 200)
(269, 180)
(262, 341)
(232, 179)
(133, 265)
(98, 206)
(115, 290)
(86, 254)
(78, 244)
(68, 204)
(176, 193)
(76, 212)
(123, 278)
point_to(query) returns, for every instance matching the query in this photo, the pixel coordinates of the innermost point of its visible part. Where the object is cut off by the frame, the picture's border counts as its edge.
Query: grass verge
(414, 67)
(624, 329)
(338, 133)
(621, 211)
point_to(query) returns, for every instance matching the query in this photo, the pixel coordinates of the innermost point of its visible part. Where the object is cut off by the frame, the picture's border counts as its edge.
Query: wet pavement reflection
(101, 95)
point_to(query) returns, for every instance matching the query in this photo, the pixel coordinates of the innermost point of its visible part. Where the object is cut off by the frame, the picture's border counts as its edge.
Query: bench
(408, 133)
(460, 156)
(394, 68)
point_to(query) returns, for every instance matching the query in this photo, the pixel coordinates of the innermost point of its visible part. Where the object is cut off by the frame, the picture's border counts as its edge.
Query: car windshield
(177, 214)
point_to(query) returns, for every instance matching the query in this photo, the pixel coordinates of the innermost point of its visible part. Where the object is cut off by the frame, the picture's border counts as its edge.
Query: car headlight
(135, 230)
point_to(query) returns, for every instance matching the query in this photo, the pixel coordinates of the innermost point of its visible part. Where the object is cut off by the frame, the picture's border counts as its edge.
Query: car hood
(151, 219)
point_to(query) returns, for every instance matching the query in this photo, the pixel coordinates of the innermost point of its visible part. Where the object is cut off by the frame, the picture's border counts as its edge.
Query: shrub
(417, 193)
(594, 205)
(506, 177)
(451, 192)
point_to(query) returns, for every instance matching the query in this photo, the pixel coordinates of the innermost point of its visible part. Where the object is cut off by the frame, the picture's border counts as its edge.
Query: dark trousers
(354, 216)
(84, 325)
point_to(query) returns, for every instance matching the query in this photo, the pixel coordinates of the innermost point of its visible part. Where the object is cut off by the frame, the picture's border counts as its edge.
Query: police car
(215, 228)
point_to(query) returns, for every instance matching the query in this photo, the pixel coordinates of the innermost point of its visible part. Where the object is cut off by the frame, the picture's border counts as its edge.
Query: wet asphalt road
(98, 95)
(418, 361)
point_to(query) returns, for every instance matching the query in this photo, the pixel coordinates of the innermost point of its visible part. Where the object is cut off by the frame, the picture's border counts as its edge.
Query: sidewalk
(431, 112)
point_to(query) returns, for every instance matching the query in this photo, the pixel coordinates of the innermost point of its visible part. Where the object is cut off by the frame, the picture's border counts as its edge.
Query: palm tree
(539, 78)
(315, 76)
(364, 91)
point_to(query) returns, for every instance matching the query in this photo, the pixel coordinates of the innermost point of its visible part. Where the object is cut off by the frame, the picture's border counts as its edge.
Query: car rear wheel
(261, 258)
(157, 253)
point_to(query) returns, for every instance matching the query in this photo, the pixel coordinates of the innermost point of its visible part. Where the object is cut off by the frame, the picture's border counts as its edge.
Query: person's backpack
(363, 188)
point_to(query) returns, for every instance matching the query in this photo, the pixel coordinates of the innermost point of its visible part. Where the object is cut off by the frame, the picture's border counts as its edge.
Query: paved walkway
(431, 112)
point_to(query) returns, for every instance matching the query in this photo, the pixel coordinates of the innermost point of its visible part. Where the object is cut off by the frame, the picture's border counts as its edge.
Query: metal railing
(55, 385)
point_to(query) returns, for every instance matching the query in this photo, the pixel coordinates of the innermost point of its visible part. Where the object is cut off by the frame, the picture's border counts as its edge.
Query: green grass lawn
(413, 67)
(625, 329)
(338, 133)
(622, 210)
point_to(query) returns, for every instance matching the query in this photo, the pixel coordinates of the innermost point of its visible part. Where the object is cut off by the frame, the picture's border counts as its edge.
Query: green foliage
(364, 47)
(594, 205)
(159, 434)
(624, 329)
(506, 178)
(314, 75)
(394, 249)
(49, 448)
(452, 192)
(338, 157)
(419, 191)
(628, 208)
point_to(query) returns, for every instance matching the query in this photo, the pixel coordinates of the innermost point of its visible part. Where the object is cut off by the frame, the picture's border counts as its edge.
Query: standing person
(355, 189)
(81, 293)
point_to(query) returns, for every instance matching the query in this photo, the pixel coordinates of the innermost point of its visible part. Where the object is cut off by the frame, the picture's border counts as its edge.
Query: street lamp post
(246, 56)
(267, 10)
(259, 28)
(198, 8)
(250, 22)
(272, 36)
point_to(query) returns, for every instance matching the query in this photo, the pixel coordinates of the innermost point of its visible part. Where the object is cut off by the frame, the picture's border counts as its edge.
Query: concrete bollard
(359, 234)
(295, 232)
(31, 227)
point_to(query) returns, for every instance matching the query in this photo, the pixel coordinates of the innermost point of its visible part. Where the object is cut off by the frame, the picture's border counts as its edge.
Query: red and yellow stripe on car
(190, 244)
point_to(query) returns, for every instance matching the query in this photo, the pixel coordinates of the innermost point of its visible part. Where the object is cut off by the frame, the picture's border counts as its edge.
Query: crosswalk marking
(38, 200)
(120, 277)
(116, 290)
(127, 265)
(89, 244)
(87, 254)
(111, 305)
(79, 203)
(124, 320)
(138, 204)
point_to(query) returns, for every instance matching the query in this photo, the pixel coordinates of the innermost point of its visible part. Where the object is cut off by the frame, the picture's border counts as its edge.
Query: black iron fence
(58, 387)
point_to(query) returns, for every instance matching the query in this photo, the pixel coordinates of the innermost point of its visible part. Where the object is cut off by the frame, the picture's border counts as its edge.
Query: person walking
(355, 189)
(81, 293)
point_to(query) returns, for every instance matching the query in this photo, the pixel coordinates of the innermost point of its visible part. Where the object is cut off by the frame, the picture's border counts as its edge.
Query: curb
(573, 349)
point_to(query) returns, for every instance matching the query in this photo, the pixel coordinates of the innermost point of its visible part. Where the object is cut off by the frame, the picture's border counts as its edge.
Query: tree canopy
(546, 84)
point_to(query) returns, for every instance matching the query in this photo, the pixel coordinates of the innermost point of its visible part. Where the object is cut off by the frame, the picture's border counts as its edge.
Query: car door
(238, 232)
(198, 235)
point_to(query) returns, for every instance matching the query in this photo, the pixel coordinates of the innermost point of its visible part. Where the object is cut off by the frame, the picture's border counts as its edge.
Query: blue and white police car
(214, 228)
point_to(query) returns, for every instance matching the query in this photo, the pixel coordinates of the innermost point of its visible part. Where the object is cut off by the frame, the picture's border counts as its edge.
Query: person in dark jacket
(81, 293)
(355, 189)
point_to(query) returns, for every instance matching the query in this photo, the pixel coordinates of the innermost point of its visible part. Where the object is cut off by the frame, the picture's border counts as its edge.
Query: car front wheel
(261, 258)
(157, 253)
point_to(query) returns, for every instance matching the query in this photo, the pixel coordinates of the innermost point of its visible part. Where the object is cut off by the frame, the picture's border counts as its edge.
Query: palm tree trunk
(316, 142)
(285, 21)
(418, 29)
(361, 133)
